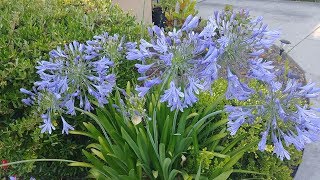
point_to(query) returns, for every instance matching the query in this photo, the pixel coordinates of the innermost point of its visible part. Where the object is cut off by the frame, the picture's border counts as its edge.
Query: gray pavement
(299, 23)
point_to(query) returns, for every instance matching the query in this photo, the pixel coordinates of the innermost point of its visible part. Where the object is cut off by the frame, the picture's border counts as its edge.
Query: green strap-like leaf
(233, 143)
(224, 176)
(198, 173)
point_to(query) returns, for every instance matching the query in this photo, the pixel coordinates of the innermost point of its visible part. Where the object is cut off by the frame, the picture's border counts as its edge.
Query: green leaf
(82, 133)
(166, 164)
(214, 104)
(131, 143)
(233, 160)
(192, 115)
(173, 174)
(243, 149)
(81, 164)
(143, 146)
(198, 173)
(215, 137)
(98, 153)
(183, 120)
(202, 120)
(233, 143)
(211, 127)
(92, 129)
(220, 155)
(113, 173)
(224, 175)
(165, 131)
(247, 172)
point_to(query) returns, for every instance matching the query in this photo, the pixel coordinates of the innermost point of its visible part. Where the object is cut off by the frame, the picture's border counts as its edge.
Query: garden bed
(209, 100)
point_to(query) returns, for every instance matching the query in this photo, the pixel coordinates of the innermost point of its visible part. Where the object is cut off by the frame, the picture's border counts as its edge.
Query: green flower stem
(175, 121)
(37, 160)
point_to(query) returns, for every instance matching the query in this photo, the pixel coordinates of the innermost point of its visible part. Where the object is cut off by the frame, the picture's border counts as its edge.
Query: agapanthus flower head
(182, 60)
(73, 77)
(78, 72)
(284, 114)
(239, 38)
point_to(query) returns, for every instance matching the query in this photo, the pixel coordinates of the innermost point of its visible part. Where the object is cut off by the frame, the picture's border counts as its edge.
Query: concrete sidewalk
(299, 23)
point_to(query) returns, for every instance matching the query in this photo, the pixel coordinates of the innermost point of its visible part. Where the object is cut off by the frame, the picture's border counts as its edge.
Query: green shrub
(22, 140)
(31, 28)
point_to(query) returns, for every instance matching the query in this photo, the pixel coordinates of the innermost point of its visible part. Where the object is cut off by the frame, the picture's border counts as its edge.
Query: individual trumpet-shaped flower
(174, 97)
(190, 23)
(237, 117)
(183, 60)
(263, 142)
(236, 89)
(32, 96)
(47, 124)
(283, 117)
(66, 126)
(279, 149)
(262, 71)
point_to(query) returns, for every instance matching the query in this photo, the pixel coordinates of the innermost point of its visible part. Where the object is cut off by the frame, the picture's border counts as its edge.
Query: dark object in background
(283, 44)
(158, 17)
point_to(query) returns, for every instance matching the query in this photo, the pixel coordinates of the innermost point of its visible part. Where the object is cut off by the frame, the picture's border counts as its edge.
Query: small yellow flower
(269, 148)
(54, 123)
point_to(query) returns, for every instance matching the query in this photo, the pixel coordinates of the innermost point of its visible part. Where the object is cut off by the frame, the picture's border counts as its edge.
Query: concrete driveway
(299, 23)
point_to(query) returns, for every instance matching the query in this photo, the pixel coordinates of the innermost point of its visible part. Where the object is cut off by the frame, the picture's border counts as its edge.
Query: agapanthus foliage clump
(74, 77)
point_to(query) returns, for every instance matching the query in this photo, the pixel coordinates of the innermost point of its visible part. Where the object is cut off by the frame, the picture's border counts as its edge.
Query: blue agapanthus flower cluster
(283, 117)
(73, 76)
(108, 46)
(241, 33)
(236, 38)
(241, 38)
(244, 40)
(183, 60)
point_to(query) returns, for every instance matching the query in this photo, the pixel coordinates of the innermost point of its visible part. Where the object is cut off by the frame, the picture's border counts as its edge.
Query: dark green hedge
(29, 29)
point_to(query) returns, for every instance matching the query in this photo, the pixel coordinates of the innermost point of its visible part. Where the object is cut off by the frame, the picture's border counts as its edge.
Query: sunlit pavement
(299, 23)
